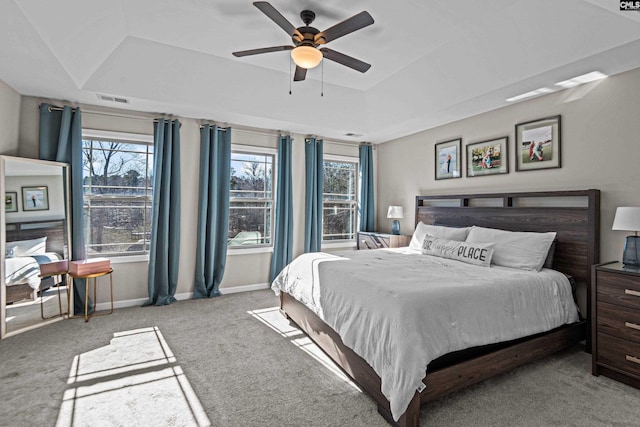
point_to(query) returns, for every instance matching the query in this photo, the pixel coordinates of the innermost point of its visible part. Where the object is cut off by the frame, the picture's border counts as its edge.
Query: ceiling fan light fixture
(306, 56)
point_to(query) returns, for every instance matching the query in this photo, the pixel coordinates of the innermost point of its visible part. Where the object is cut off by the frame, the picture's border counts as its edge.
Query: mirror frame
(3, 237)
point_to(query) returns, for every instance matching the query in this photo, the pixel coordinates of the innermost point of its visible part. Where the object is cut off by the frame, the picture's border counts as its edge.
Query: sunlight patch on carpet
(131, 381)
(275, 320)
(128, 351)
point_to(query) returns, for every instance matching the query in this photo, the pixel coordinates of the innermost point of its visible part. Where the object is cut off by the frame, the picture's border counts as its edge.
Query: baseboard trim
(244, 288)
(137, 302)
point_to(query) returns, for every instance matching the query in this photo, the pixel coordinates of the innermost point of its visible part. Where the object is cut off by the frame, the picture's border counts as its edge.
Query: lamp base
(395, 227)
(631, 256)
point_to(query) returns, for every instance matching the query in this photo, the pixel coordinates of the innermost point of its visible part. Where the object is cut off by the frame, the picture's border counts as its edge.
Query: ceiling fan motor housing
(308, 34)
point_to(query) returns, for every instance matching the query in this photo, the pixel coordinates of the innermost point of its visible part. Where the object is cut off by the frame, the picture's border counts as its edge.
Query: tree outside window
(251, 199)
(117, 183)
(340, 204)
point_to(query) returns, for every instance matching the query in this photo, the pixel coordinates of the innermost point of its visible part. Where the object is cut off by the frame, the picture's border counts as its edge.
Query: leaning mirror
(35, 230)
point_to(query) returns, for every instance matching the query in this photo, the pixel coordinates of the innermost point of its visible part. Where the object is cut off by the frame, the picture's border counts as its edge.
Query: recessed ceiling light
(536, 92)
(585, 78)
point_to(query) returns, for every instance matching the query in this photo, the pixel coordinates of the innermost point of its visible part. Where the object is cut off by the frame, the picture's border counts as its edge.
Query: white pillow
(449, 233)
(471, 253)
(515, 249)
(29, 247)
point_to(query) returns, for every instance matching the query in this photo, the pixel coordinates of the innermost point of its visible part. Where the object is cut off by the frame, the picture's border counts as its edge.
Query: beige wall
(600, 149)
(130, 279)
(9, 119)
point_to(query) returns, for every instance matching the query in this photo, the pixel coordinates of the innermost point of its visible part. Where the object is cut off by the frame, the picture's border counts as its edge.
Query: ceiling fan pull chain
(322, 81)
(290, 65)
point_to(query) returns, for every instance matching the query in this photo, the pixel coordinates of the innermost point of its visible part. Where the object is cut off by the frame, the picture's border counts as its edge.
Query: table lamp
(395, 212)
(628, 218)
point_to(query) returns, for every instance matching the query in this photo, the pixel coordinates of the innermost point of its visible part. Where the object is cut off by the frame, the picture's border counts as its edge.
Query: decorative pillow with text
(449, 233)
(10, 252)
(471, 253)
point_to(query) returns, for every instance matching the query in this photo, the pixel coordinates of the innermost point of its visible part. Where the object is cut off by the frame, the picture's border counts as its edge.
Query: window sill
(129, 258)
(346, 244)
(247, 251)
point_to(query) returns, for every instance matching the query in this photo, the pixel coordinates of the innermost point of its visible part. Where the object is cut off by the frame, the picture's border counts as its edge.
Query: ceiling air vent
(353, 135)
(110, 98)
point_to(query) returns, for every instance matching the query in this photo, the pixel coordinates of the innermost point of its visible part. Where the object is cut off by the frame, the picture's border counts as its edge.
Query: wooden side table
(95, 277)
(374, 240)
(63, 279)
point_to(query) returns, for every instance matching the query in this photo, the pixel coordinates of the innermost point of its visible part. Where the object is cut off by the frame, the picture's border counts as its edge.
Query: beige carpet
(231, 361)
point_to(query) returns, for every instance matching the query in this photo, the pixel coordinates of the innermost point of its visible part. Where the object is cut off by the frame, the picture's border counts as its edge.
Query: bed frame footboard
(440, 382)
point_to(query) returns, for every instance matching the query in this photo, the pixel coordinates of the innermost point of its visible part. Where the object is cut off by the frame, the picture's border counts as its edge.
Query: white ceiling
(433, 62)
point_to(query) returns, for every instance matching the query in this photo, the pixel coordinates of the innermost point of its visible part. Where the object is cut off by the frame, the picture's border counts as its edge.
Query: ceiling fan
(306, 39)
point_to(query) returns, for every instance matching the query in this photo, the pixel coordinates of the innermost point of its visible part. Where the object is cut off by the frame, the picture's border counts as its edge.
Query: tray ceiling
(432, 62)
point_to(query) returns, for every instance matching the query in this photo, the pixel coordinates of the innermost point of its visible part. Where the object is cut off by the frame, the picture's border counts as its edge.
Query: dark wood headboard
(55, 230)
(573, 215)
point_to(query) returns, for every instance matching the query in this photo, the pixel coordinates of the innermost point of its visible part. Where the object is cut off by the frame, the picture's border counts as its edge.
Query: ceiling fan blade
(345, 27)
(275, 16)
(343, 59)
(300, 74)
(261, 50)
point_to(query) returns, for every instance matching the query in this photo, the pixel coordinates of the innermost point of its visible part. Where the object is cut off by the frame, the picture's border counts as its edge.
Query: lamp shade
(306, 56)
(627, 218)
(395, 212)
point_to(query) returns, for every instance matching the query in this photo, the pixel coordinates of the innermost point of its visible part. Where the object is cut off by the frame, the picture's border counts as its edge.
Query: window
(339, 201)
(251, 198)
(118, 187)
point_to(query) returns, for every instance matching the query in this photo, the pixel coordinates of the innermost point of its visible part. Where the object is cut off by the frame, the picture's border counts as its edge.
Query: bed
(572, 215)
(28, 245)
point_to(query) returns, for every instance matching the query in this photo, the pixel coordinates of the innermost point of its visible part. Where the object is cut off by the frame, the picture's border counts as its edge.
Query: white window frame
(343, 243)
(126, 137)
(255, 149)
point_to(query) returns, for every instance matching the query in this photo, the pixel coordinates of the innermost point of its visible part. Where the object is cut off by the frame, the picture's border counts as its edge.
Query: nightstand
(616, 322)
(373, 240)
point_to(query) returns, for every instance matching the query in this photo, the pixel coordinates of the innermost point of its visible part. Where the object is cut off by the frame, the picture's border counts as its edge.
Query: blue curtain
(164, 254)
(213, 210)
(61, 141)
(367, 212)
(313, 190)
(283, 233)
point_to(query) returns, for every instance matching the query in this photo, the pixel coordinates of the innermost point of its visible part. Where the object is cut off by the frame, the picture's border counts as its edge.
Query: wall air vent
(109, 98)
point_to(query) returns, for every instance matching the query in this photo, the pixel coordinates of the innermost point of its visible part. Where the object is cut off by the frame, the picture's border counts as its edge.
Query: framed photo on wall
(448, 159)
(538, 144)
(488, 157)
(11, 201)
(35, 198)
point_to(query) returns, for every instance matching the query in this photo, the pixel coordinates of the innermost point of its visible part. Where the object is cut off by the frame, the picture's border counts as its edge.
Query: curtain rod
(103, 113)
(346, 144)
(222, 128)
